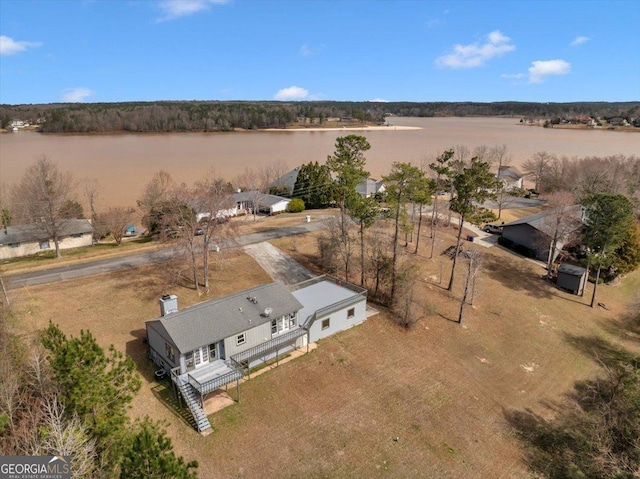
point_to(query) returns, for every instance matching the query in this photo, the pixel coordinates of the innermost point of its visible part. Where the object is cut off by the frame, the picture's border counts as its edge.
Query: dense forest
(164, 116)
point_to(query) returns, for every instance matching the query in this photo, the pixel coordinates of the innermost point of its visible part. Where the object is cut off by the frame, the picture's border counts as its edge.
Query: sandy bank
(349, 128)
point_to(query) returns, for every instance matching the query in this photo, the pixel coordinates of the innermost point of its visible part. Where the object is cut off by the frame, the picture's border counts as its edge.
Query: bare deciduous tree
(537, 166)
(500, 155)
(562, 220)
(342, 241)
(91, 193)
(155, 197)
(474, 259)
(214, 201)
(116, 221)
(42, 195)
(252, 183)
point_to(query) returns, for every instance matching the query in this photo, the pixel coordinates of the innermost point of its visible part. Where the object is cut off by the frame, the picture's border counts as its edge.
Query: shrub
(296, 205)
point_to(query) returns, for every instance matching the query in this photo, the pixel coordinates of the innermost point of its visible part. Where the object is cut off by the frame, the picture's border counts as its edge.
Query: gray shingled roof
(288, 180)
(368, 187)
(217, 319)
(36, 232)
(509, 172)
(539, 220)
(265, 200)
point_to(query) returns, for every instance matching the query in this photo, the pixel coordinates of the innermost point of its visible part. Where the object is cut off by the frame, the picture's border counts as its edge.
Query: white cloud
(544, 68)
(579, 40)
(181, 8)
(292, 93)
(477, 54)
(8, 46)
(307, 50)
(379, 100)
(76, 95)
(513, 75)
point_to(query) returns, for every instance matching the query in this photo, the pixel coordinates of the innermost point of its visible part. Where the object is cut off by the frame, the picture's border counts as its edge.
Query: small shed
(572, 278)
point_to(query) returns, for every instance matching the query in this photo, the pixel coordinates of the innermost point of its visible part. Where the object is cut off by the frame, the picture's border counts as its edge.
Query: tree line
(67, 396)
(209, 116)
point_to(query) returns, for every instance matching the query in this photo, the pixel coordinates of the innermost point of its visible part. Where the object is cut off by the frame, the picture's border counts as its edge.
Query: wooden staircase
(190, 396)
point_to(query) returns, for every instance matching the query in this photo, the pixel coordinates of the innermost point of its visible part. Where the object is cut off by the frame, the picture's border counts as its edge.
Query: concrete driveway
(280, 266)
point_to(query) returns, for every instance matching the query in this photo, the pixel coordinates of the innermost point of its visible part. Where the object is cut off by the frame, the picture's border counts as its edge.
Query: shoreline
(348, 128)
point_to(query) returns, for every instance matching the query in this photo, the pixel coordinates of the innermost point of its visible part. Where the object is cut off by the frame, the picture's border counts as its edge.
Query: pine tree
(473, 186)
(92, 385)
(149, 453)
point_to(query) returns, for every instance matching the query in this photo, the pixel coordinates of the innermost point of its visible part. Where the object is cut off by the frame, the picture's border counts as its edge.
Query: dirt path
(280, 266)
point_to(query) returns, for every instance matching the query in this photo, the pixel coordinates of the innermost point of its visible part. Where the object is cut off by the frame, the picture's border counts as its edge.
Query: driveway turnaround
(280, 266)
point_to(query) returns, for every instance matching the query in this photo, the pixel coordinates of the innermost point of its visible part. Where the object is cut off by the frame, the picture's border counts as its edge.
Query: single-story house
(241, 203)
(212, 344)
(510, 177)
(536, 231)
(25, 240)
(370, 187)
(270, 204)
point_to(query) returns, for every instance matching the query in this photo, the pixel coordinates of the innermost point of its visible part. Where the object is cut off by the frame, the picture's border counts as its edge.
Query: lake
(124, 163)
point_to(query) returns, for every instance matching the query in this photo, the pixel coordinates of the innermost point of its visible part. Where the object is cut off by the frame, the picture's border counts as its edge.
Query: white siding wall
(33, 247)
(253, 337)
(280, 206)
(338, 321)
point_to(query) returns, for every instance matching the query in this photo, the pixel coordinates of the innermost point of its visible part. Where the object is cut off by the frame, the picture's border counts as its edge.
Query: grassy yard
(376, 401)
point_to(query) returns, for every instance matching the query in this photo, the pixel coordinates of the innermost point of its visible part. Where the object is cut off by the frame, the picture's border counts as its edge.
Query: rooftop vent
(252, 299)
(267, 312)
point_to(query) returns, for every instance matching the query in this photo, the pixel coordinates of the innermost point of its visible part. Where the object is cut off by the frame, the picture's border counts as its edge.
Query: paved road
(136, 260)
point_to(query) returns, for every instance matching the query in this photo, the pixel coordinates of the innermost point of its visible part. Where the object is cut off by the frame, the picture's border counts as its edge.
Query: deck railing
(269, 346)
(214, 383)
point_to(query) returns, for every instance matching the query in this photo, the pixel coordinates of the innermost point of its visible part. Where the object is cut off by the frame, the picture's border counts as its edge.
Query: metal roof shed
(572, 278)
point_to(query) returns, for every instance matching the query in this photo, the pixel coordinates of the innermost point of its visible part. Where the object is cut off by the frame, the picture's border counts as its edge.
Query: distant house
(510, 177)
(370, 187)
(241, 203)
(26, 240)
(215, 343)
(535, 232)
(286, 183)
(270, 204)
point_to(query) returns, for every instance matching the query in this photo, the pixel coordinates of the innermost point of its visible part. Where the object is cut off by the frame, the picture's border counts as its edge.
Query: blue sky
(121, 50)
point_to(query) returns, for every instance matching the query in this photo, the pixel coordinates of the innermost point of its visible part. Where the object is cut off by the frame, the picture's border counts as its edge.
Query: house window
(274, 326)
(325, 323)
(293, 320)
(76, 235)
(196, 357)
(351, 312)
(45, 245)
(14, 245)
(171, 354)
(240, 339)
(213, 351)
(188, 359)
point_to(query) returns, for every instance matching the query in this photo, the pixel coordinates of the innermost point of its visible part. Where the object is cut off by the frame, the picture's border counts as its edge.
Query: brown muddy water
(124, 163)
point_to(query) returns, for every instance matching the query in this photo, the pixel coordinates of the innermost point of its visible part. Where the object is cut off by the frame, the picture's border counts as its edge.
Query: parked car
(495, 229)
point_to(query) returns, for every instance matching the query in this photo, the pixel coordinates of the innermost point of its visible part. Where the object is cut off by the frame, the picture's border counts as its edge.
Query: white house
(510, 177)
(370, 187)
(26, 240)
(208, 345)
